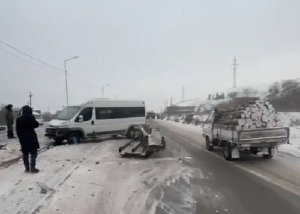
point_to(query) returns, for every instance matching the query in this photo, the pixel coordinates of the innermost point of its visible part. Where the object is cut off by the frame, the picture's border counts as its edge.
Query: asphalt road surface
(238, 187)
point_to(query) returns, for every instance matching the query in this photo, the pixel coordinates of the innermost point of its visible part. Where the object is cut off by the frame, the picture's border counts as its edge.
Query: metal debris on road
(146, 142)
(44, 188)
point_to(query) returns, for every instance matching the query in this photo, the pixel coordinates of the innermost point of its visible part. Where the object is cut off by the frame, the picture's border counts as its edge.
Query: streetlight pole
(66, 77)
(30, 95)
(66, 83)
(103, 90)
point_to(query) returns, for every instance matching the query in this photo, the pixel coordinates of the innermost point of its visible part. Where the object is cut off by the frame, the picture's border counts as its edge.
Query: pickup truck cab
(263, 141)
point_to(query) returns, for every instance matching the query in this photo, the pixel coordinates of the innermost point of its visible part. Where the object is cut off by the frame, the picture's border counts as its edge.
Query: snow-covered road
(92, 178)
(283, 169)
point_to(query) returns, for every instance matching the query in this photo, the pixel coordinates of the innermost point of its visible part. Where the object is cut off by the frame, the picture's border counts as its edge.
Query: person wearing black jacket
(25, 126)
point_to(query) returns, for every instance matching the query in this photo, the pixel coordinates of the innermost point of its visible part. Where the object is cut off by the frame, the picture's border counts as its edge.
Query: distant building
(37, 111)
(204, 108)
(179, 110)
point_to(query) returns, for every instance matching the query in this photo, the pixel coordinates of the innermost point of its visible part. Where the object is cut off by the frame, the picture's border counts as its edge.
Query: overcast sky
(144, 49)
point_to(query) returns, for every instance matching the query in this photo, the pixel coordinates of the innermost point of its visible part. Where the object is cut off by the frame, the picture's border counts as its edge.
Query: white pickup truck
(264, 141)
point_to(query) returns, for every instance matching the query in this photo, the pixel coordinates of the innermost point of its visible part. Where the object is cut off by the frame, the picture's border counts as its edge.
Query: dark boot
(33, 157)
(12, 134)
(34, 170)
(8, 135)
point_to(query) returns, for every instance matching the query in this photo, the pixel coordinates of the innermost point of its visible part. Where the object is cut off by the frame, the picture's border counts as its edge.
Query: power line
(19, 58)
(30, 56)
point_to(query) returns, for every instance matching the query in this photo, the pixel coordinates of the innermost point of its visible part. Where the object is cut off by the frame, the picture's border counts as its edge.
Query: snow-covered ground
(292, 120)
(92, 177)
(294, 147)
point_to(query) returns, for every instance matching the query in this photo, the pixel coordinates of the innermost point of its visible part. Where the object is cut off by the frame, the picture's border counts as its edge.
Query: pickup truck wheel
(268, 156)
(209, 146)
(74, 138)
(227, 151)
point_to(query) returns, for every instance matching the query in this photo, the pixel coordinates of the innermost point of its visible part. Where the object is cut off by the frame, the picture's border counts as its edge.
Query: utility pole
(166, 104)
(234, 72)
(182, 99)
(66, 79)
(66, 82)
(30, 95)
(171, 102)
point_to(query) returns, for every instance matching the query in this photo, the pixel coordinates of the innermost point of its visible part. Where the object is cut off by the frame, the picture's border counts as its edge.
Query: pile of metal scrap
(146, 142)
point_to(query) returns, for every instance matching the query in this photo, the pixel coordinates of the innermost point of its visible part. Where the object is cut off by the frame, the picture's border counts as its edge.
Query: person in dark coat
(25, 126)
(9, 119)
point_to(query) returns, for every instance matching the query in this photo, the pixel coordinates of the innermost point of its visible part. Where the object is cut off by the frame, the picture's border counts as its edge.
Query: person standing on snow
(25, 126)
(9, 119)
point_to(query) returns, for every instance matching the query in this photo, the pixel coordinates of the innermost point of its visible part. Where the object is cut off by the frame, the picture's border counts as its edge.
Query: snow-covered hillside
(193, 102)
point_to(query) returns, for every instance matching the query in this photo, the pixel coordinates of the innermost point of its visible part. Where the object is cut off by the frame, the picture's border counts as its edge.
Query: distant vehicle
(251, 141)
(97, 117)
(38, 117)
(150, 115)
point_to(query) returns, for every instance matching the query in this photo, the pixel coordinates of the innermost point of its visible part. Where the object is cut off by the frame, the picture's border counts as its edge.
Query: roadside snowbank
(292, 120)
(10, 151)
(294, 147)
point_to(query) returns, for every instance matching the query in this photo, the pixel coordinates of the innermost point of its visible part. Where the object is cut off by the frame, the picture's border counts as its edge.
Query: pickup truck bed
(267, 135)
(249, 141)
